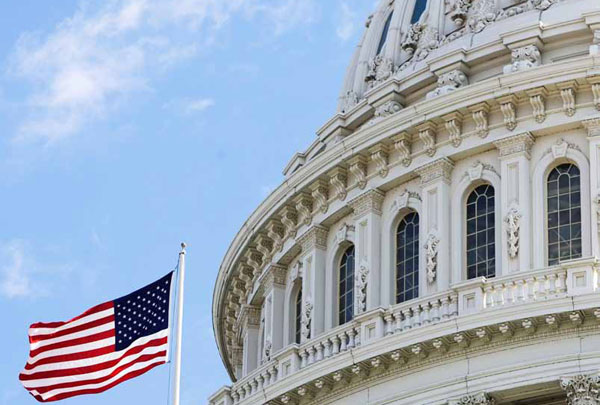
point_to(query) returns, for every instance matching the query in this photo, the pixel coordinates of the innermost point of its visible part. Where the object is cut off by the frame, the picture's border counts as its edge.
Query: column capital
(275, 276)
(592, 125)
(369, 202)
(436, 170)
(477, 399)
(516, 145)
(249, 316)
(581, 389)
(315, 237)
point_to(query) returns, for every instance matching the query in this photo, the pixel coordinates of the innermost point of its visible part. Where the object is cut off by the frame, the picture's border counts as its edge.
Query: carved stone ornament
(362, 281)
(475, 172)
(481, 14)
(560, 148)
(448, 82)
(380, 69)
(349, 100)
(427, 135)
(480, 116)
(524, 58)
(402, 201)
(513, 225)
(386, 109)
(581, 389)
(306, 320)
(477, 399)
(337, 181)
(458, 13)
(402, 145)
(379, 156)
(358, 169)
(454, 127)
(345, 233)
(542, 4)
(267, 350)
(412, 38)
(508, 107)
(597, 202)
(431, 253)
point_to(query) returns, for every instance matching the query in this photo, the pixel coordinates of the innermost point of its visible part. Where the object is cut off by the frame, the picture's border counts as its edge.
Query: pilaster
(313, 258)
(250, 323)
(514, 155)
(367, 226)
(435, 220)
(274, 293)
(593, 128)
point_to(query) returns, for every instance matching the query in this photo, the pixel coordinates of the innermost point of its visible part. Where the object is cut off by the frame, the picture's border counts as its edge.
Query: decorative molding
(592, 125)
(314, 238)
(276, 231)
(513, 225)
(402, 201)
(304, 206)
(255, 260)
(508, 106)
(362, 281)
(515, 145)
(385, 110)
(477, 399)
(402, 144)
(596, 92)
(289, 219)
(449, 82)
(458, 11)
(379, 155)
(264, 245)
(481, 14)
(427, 134)
(369, 202)
(276, 275)
(568, 94)
(431, 253)
(524, 58)
(320, 193)
(581, 389)
(306, 319)
(475, 172)
(560, 147)
(438, 169)
(453, 123)
(380, 69)
(537, 99)
(480, 114)
(345, 233)
(358, 169)
(337, 179)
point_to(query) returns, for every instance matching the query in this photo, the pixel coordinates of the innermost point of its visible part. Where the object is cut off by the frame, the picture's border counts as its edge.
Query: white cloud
(108, 51)
(15, 281)
(198, 105)
(346, 24)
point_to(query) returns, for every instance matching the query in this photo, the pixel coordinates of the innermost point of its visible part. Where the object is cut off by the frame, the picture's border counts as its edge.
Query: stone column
(582, 389)
(481, 398)
(514, 155)
(593, 128)
(313, 258)
(367, 231)
(250, 321)
(274, 285)
(435, 220)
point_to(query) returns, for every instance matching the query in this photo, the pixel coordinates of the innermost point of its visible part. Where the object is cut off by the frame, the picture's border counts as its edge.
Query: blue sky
(127, 126)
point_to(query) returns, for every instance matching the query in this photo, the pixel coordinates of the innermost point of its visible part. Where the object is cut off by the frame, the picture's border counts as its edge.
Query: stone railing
(472, 297)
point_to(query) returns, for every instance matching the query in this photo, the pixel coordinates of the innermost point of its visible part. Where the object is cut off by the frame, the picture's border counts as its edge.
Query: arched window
(298, 317)
(346, 285)
(481, 229)
(407, 258)
(384, 34)
(420, 6)
(564, 214)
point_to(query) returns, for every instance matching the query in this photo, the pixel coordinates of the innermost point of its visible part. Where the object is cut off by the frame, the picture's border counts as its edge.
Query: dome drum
(441, 225)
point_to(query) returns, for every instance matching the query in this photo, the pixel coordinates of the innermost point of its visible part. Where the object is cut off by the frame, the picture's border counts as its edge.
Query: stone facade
(473, 96)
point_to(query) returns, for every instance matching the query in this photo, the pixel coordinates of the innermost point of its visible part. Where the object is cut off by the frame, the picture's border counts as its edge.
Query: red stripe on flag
(74, 342)
(75, 329)
(91, 311)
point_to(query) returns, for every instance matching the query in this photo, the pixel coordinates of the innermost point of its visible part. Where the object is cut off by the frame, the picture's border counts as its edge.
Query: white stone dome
(438, 242)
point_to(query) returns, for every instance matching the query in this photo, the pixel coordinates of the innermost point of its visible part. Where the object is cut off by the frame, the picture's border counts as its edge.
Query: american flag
(106, 345)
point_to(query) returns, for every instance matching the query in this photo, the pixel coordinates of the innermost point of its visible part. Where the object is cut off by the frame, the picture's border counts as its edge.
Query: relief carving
(513, 225)
(431, 252)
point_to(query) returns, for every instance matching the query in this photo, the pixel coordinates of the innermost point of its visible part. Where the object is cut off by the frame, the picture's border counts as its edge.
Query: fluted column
(514, 154)
(250, 321)
(367, 225)
(274, 287)
(435, 220)
(582, 389)
(593, 128)
(313, 258)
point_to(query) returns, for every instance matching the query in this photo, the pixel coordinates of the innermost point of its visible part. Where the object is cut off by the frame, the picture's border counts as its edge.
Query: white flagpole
(178, 338)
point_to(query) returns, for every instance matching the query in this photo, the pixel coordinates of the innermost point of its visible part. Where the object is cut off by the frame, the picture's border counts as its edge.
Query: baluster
(446, 308)
(552, 284)
(407, 319)
(357, 340)
(498, 295)
(530, 289)
(435, 309)
(398, 320)
(389, 323)
(520, 291)
(311, 355)
(344, 344)
(417, 316)
(247, 390)
(327, 345)
(335, 345)
(351, 338)
(489, 296)
(260, 380)
(320, 348)
(426, 316)
(454, 305)
(274, 374)
(562, 282)
(508, 293)
(303, 358)
(542, 288)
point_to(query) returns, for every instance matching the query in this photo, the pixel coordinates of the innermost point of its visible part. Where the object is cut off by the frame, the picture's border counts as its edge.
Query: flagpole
(178, 338)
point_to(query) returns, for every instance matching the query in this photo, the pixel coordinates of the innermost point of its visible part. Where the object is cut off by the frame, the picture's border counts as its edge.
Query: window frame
(342, 255)
(465, 220)
(418, 256)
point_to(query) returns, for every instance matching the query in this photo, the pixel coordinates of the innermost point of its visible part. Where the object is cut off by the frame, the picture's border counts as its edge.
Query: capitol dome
(438, 242)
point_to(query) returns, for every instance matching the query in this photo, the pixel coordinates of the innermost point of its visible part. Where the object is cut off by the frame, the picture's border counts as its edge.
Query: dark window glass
(346, 293)
(384, 34)
(564, 214)
(420, 6)
(298, 316)
(481, 252)
(407, 258)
